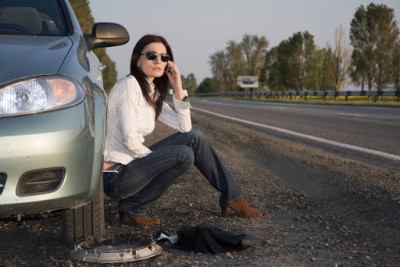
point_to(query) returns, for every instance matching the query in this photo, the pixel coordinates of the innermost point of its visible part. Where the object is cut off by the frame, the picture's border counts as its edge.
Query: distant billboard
(247, 81)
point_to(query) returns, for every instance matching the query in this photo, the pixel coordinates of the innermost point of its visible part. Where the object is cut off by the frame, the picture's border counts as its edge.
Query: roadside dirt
(320, 209)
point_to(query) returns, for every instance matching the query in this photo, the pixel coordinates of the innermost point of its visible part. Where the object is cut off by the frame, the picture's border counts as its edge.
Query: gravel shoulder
(320, 209)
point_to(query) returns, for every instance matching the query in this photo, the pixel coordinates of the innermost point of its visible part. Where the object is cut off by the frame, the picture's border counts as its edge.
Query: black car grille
(40, 182)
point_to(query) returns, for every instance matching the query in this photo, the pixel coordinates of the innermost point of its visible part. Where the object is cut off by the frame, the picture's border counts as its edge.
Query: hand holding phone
(175, 79)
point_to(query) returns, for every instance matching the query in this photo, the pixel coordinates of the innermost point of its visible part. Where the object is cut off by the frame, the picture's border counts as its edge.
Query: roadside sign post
(247, 82)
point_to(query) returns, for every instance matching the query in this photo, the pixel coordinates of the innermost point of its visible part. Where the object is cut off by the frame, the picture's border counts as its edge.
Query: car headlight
(40, 94)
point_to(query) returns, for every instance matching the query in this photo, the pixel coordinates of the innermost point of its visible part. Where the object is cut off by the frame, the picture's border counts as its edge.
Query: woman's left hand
(175, 79)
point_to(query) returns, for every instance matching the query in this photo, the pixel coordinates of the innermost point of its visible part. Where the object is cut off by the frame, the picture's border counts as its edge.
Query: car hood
(24, 56)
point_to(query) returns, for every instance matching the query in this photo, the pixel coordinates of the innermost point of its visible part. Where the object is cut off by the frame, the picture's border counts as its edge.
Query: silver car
(52, 114)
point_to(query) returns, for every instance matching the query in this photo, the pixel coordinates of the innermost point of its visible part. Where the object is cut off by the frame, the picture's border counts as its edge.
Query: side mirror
(106, 34)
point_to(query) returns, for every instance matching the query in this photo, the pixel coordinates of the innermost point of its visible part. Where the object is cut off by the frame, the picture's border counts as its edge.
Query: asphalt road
(371, 133)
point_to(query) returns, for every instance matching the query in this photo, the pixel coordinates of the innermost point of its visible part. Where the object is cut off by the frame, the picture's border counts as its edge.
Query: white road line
(352, 114)
(306, 136)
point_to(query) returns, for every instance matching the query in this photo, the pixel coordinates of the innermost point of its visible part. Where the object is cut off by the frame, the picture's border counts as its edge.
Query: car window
(32, 17)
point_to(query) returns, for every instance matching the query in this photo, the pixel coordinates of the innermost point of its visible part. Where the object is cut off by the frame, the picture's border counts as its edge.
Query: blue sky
(196, 29)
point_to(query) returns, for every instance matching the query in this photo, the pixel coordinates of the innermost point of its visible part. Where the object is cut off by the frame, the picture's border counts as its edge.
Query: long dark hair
(161, 83)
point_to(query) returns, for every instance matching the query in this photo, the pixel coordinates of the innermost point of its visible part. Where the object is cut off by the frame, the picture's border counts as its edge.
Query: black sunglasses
(153, 55)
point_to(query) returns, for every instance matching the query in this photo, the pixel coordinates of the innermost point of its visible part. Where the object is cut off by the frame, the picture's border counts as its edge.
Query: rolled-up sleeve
(179, 119)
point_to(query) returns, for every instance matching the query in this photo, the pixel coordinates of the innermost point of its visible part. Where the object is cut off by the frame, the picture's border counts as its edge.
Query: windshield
(32, 17)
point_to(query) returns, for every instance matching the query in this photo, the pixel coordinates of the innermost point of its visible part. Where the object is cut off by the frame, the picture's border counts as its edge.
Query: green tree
(275, 71)
(236, 63)
(362, 73)
(220, 68)
(254, 49)
(373, 34)
(292, 65)
(326, 79)
(301, 64)
(312, 66)
(208, 85)
(238, 59)
(189, 83)
(270, 76)
(283, 65)
(359, 70)
(86, 21)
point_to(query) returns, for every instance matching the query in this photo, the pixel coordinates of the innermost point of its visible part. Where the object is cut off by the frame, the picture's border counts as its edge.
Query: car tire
(86, 221)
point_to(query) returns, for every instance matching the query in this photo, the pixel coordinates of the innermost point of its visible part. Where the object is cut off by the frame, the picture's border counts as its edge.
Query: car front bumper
(62, 139)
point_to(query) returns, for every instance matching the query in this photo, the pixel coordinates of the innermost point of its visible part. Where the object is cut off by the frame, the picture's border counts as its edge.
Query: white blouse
(130, 118)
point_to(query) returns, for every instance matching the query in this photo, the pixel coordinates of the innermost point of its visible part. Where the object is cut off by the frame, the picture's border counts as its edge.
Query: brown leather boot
(139, 221)
(241, 208)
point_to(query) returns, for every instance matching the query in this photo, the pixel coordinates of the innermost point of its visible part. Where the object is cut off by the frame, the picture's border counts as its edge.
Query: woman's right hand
(175, 79)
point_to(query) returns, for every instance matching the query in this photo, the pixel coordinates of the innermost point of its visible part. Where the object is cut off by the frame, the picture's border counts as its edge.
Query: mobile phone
(167, 69)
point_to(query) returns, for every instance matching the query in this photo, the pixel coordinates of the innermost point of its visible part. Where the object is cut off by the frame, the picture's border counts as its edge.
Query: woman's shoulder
(124, 83)
(128, 80)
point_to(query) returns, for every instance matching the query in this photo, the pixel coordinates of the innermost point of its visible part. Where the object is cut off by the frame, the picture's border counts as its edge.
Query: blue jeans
(144, 180)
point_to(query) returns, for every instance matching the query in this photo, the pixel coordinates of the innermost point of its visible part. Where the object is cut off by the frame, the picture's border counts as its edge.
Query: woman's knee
(186, 155)
(197, 133)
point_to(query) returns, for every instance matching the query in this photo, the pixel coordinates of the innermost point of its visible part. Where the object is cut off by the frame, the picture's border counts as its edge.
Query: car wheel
(85, 221)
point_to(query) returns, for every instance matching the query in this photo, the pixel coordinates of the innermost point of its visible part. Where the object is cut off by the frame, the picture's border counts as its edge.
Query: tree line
(298, 64)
